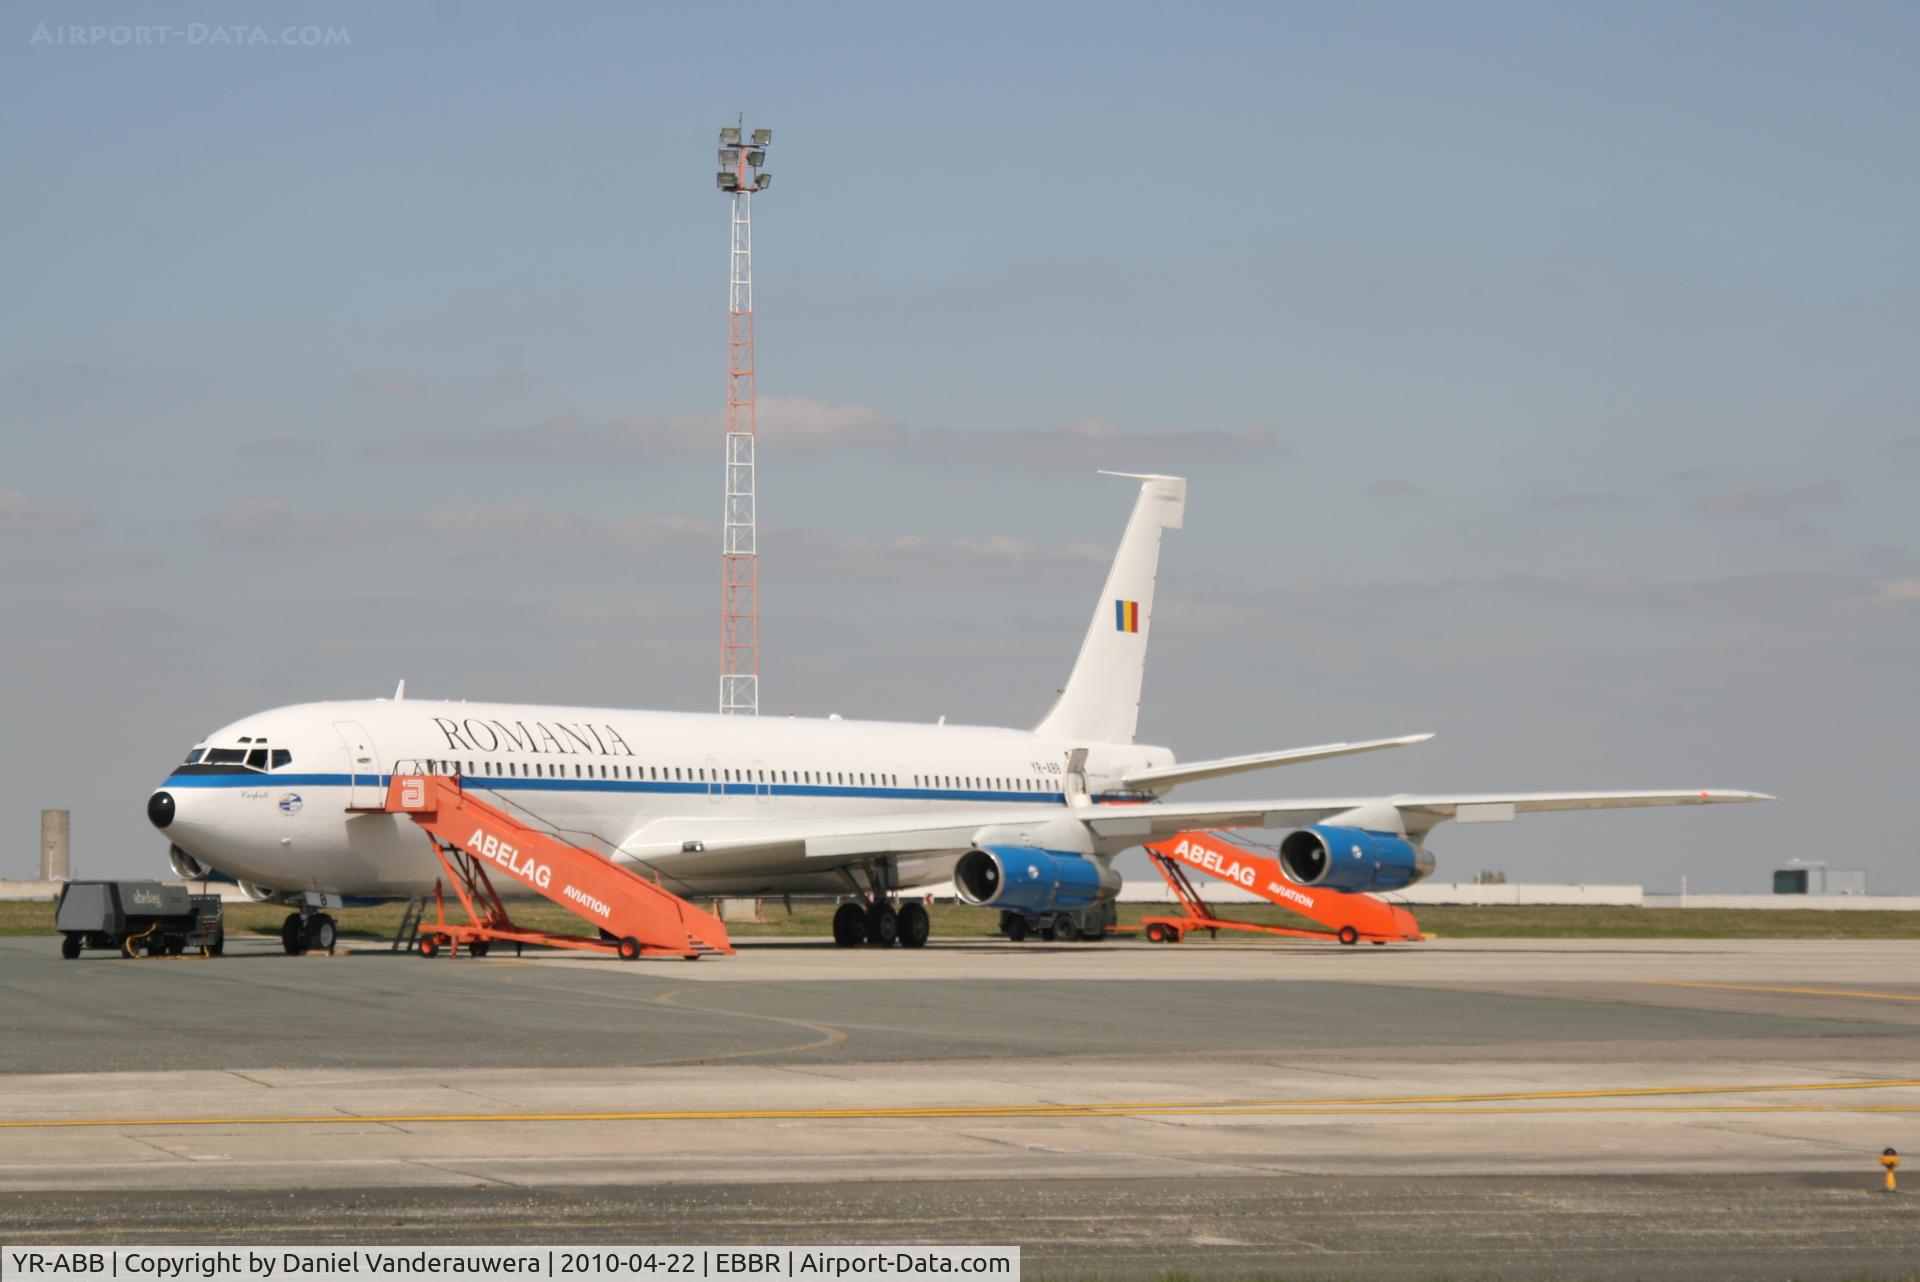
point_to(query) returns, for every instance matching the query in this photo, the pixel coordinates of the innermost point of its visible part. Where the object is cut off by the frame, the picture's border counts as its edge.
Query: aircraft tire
(915, 925)
(883, 926)
(849, 925)
(322, 933)
(293, 935)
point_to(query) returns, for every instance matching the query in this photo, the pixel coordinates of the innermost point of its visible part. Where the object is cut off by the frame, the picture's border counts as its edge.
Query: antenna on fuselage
(400, 691)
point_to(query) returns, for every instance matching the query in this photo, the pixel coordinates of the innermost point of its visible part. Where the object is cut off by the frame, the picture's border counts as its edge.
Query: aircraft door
(716, 789)
(1076, 786)
(366, 790)
(762, 788)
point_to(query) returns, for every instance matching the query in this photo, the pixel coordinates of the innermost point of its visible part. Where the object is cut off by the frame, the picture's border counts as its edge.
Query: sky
(1545, 376)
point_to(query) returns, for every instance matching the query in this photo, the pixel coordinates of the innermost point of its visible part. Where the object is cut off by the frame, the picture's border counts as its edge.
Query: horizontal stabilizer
(1193, 771)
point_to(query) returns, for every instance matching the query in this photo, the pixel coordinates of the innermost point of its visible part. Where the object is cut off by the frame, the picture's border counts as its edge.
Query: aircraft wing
(1192, 771)
(1418, 813)
(711, 847)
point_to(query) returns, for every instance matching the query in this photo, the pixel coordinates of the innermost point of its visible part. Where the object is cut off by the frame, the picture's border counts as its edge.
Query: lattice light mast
(740, 549)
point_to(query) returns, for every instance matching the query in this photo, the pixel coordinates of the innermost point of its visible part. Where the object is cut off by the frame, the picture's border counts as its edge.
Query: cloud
(1770, 502)
(29, 518)
(262, 522)
(807, 423)
(1899, 592)
(394, 384)
(71, 568)
(1394, 488)
(1097, 440)
(283, 449)
(1583, 501)
(570, 439)
(451, 534)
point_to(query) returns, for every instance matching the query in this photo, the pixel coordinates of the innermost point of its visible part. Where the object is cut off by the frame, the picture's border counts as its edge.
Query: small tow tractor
(1089, 925)
(138, 918)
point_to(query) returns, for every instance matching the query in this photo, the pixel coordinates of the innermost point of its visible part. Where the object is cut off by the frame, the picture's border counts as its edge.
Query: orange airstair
(471, 839)
(1347, 917)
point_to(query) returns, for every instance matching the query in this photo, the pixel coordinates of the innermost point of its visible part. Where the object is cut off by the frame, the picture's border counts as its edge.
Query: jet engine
(1027, 879)
(187, 868)
(1352, 859)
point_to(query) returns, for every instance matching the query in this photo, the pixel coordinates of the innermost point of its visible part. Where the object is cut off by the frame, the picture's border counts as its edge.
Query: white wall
(1840, 903)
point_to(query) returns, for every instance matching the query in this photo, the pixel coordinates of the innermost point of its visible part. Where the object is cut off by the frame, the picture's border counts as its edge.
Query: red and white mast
(740, 550)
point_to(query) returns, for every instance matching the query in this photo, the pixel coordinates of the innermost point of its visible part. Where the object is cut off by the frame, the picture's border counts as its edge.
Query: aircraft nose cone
(160, 809)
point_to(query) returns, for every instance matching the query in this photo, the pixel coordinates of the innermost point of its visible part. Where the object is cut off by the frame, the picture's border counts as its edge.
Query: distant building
(1813, 877)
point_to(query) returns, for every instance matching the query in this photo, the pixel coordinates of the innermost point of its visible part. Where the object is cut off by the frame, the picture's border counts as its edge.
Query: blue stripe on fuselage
(505, 783)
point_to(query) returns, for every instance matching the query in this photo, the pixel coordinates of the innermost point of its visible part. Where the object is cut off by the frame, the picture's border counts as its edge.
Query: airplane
(289, 802)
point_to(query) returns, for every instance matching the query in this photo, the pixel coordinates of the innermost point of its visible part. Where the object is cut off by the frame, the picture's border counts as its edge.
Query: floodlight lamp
(730, 136)
(727, 182)
(763, 182)
(729, 157)
(756, 158)
(761, 137)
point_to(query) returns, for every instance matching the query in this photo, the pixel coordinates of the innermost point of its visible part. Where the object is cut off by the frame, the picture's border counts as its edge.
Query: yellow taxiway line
(1558, 1101)
(1778, 988)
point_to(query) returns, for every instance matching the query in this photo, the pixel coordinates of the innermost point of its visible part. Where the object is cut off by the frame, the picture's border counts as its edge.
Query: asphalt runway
(1655, 1109)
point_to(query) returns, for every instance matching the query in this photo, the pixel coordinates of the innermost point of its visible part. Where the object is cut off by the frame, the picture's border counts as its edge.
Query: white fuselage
(279, 800)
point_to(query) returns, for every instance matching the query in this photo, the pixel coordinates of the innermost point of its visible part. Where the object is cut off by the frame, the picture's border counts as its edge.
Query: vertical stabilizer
(1101, 701)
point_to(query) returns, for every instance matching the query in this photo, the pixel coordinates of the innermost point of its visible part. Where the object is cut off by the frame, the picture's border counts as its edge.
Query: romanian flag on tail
(1126, 616)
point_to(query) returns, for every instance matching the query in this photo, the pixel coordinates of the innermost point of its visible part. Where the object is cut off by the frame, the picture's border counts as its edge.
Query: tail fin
(1101, 701)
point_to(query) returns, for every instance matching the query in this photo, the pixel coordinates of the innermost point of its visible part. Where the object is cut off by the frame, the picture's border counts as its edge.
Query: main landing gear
(872, 917)
(881, 924)
(308, 933)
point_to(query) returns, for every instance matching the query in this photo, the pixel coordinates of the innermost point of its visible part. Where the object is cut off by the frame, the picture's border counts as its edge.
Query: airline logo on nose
(1126, 616)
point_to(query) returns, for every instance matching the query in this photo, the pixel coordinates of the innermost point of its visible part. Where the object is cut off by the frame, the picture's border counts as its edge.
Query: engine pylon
(1347, 917)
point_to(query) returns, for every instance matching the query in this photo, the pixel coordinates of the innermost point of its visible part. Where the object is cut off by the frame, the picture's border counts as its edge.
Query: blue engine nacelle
(1027, 879)
(1352, 859)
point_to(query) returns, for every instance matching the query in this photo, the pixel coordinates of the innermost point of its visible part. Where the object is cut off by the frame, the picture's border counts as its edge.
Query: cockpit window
(257, 759)
(193, 758)
(281, 757)
(226, 756)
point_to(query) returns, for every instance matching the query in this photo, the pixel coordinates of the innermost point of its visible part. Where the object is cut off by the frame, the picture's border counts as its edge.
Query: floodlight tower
(740, 551)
